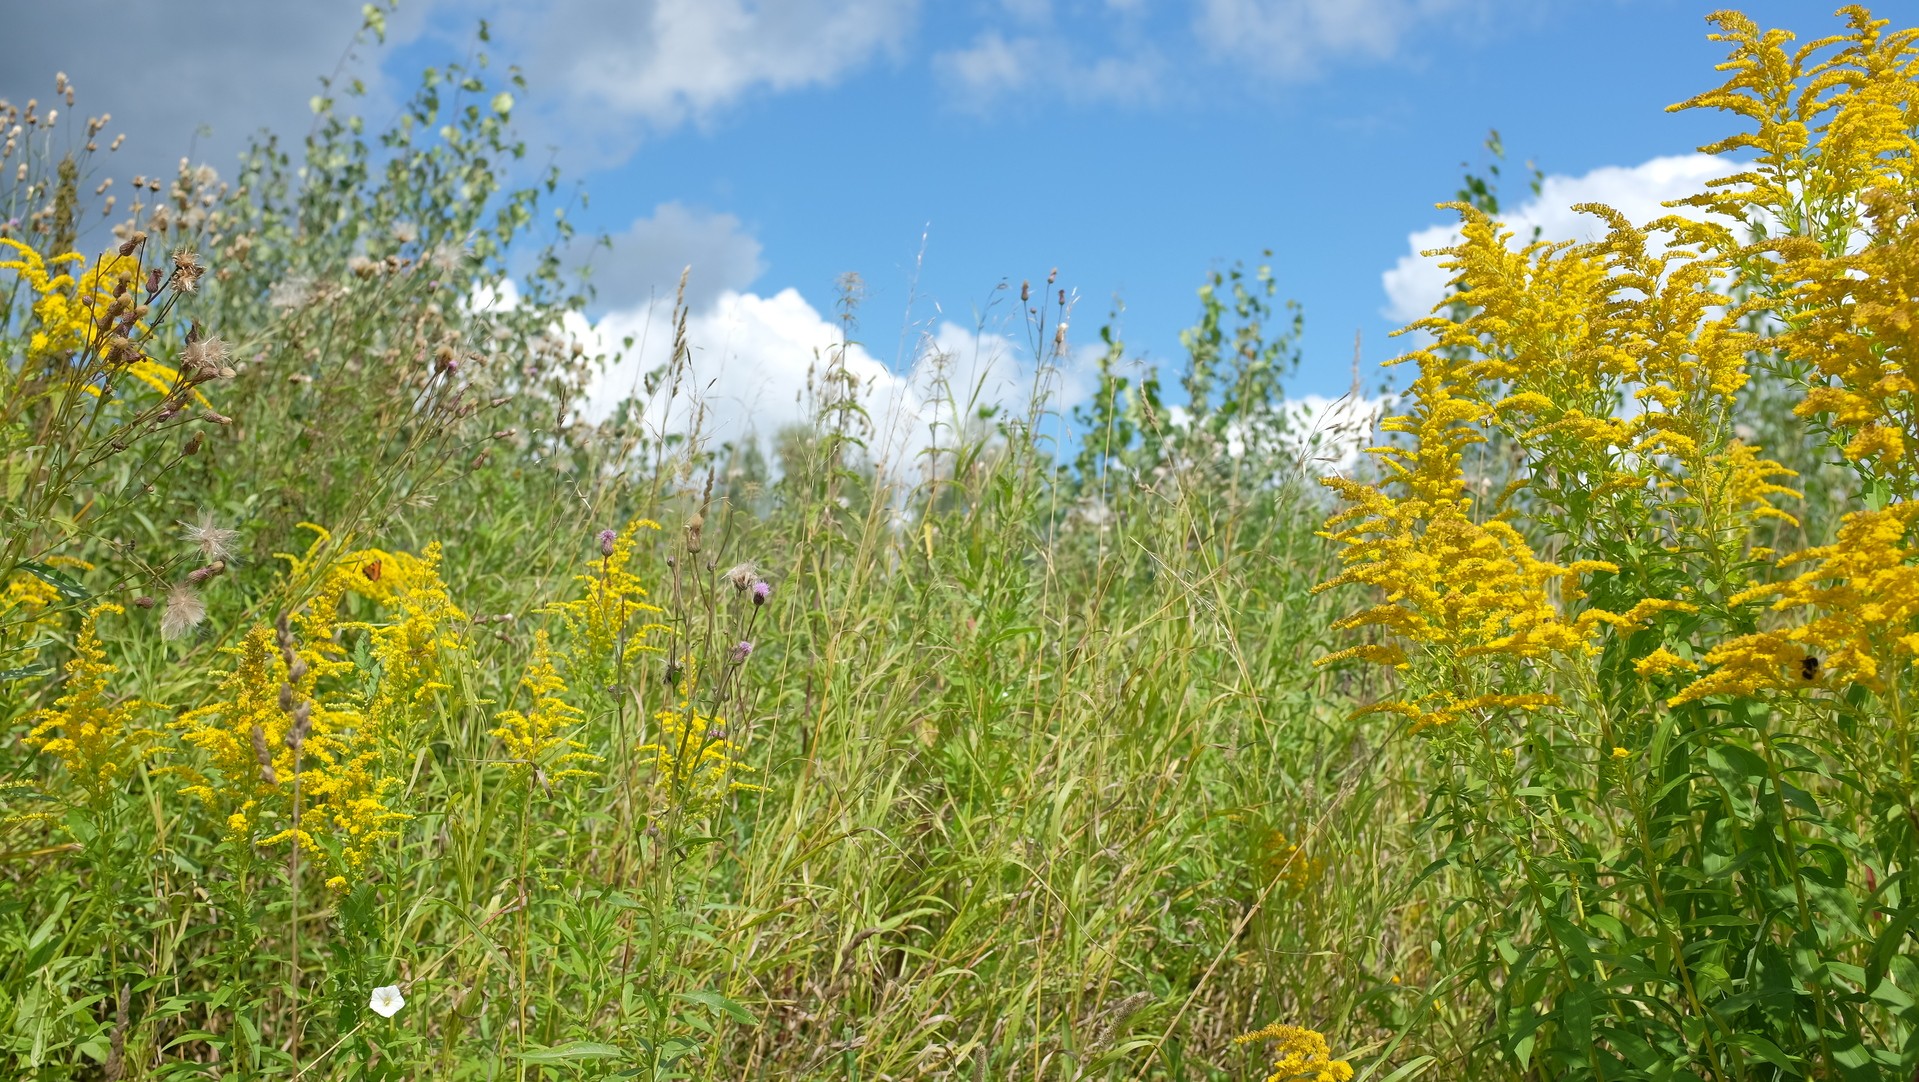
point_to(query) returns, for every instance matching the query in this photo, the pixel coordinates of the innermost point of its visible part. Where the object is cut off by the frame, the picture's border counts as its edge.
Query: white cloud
(754, 358)
(1331, 434)
(991, 66)
(994, 67)
(1416, 283)
(667, 62)
(645, 261)
(234, 67)
(1294, 38)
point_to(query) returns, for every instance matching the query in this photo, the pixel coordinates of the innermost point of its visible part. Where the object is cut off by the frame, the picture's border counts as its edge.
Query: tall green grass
(1037, 775)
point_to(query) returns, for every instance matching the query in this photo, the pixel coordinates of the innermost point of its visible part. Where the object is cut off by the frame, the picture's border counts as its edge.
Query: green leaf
(1735, 761)
(1412, 1068)
(38, 668)
(1766, 1050)
(57, 579)
(1889, 943)
(572, 1050)
(722, 1004)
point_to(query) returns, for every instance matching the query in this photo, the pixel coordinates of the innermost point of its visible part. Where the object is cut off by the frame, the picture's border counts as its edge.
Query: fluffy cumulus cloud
(1297, 38)
(601, 70)
(1416, 283)
(1076, 53)
(994, 67)
(756, 360)
(667, 62)
(644, 261)
(227, 69)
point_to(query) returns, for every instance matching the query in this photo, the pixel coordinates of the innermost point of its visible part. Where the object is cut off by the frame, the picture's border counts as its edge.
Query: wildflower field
(368, 714)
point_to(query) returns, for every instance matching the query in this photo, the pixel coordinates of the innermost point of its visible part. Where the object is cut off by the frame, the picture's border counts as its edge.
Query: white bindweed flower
(387, 1000)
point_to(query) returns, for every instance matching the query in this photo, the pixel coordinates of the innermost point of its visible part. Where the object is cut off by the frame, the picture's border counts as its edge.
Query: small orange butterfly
(372, 571)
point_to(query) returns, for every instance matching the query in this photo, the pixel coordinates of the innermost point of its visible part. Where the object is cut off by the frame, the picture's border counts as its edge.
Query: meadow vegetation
(369, 714)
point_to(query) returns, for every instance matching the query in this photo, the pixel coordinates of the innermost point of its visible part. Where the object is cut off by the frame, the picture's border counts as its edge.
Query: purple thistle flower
(606, 542)
(742, 651)
(761, 591)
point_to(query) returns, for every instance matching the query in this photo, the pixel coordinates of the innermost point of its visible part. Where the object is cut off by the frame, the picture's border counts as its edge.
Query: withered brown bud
(194, 443)
(144, 601)
(201, 574)
(263, 756)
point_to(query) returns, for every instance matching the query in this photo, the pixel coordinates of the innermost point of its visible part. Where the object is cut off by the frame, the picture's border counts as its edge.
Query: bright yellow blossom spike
(1299, 1055)
(92, 733)
(1851, 614)
(536, 742)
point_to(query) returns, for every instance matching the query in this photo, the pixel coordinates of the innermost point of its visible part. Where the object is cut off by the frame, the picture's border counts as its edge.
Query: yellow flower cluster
(697, 764)
(1855, 328)
(334, 766)
(66, 310)
(64, 325)
(94, 735)
(611, 623)
(1568, 336)
(1859, 601)
(71, 315)
(536, 744)
(411, 651)
(1613, 369)
(1287, 863)
(1827, 124)
(1662, 662)
(28, 611)
(1830, 194)
(1299, 1055)
(1455, 587)
(254, 773)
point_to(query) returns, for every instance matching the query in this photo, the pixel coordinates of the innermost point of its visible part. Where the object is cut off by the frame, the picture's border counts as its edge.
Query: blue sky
(1133, 144)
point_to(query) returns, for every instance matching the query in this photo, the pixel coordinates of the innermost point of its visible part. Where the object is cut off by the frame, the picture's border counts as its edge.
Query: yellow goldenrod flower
(294, 751)
(1857, 607)
(1831, 179)
(64, 309)
(697, 764)
(1661, 662)
(1287, 863)
(611, 623)
(1454, 588)
(535, 740)
(1299, 1054)
(94, 736)
(157, 376)
(411, 650)
(29, 611)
